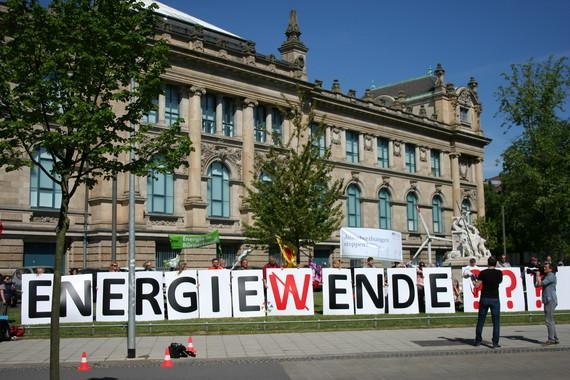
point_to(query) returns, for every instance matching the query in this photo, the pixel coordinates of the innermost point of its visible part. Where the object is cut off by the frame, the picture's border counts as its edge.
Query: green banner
(194, 241)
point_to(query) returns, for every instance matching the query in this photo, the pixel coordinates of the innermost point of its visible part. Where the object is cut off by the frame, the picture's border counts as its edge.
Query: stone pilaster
(480, 187)
(455, 183)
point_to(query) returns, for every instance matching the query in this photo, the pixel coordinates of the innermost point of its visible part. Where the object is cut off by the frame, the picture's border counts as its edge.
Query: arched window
(437, 214)
(466, 210)
(44, 192)
(160, 189)
(412, 212)
(218, 190)
(353, 206)
(384, 209)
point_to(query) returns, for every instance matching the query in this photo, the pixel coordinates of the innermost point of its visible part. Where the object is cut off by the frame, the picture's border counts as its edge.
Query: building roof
(410, 87)
(167, 11)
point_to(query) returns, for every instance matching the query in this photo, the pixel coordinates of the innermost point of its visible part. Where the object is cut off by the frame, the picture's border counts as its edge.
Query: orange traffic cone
(167, 362)
(190, 348)
(84, 366)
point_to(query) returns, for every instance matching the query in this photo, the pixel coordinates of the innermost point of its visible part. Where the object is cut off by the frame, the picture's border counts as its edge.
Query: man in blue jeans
(490, 279)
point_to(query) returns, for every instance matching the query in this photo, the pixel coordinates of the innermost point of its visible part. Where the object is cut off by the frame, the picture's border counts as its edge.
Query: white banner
(182, 294)
(215, 295)
(370, 291)
(438, 290)
(337, 292)
(402, 296)
(112, 296)
(471, 295)
(247, 293)
(77, 298)
(371, 242)
(511, 290)
(149, 304)
(290, 292)
(36, 298)
(533, 294)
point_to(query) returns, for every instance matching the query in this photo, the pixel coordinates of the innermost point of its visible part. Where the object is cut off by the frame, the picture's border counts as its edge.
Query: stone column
(248, 141)
(269, 126)
(219, 115)
(195, 125)
(456, 183)
(480, 187)
(161, 109)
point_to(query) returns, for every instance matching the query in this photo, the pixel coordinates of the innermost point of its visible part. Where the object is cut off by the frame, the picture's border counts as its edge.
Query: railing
(265, 325)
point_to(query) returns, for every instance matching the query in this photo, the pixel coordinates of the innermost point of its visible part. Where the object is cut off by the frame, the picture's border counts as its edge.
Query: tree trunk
(60, 246)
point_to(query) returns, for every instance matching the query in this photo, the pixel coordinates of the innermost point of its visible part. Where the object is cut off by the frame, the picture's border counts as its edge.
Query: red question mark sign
(476, 289)
(509, 289)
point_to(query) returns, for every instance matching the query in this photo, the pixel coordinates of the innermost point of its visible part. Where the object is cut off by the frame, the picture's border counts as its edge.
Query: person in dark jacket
(489, 279)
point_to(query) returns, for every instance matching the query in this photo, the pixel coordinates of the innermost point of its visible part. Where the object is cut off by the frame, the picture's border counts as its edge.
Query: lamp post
(131, 328)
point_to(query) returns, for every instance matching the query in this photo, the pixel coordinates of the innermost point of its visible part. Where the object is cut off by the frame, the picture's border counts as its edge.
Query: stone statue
(467, 240)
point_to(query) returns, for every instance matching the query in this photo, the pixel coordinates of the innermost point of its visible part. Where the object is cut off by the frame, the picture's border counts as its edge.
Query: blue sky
(365, 42)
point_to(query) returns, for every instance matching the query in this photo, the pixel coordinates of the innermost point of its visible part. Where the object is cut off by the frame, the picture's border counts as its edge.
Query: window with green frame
(437, 214)
(412, 212)
(259, 124)
(384, 209)
(353, 206)
(44, 192)
(435, 163)
(383, 155)
(318, 139)
(228, 114)
(172, 104)
(218, 190)
(208, 103)
(352, 151)
(160, 192)
(276, 126)
(410, 158)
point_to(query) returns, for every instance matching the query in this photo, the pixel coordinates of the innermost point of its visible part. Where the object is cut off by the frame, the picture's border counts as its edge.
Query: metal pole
(114, 220)
(85, 216)
(131, 331)
(504, 233)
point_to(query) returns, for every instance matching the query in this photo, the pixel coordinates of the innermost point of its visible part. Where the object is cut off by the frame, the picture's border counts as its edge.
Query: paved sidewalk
(381, 343)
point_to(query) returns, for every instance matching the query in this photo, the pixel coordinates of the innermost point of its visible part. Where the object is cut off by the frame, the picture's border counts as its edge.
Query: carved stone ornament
(211, 152)
(397, 146)
(463, 168)
(368, 142)
(423, 153)
(335, 138)
(465, 98)
(43, 219)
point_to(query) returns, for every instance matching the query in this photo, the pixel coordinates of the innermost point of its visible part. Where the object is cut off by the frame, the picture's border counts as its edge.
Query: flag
(172, 263)
(241, 256)
(288, 251)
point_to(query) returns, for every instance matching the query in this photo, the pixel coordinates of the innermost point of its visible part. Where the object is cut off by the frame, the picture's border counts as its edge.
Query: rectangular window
(152, 116)
(318, 139)
(44, 192)
(435, 163)
(352, 153)
(172, 104)
(383, 156)
(228, 112)
(276, 126)
(160, 189)
(208, 102)
(464, 115)
(260, 124)
(410, 158)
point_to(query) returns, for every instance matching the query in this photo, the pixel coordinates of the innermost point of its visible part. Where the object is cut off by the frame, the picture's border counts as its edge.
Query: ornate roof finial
(293, 31)
(439, 73)
(473, 84)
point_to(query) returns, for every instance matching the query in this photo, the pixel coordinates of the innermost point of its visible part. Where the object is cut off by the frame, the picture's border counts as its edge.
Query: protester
(549, 300)
(40, 270)
(148, 266)
(182, 267)
(271, 263)
(337, 264)
(114, 267)
(457, 295)
(370, 263)
(3, 297)
(73, 271)
(215, 264)
(548, 259)
(420, 286)
(243, 265)
(502, 261)
(490, 279)
(11, 292)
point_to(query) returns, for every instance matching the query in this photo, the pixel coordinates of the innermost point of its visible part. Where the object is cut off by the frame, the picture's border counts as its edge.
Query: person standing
(549, 300)
(490, 279)
(420, 286)
(370, 263)
(502, 262)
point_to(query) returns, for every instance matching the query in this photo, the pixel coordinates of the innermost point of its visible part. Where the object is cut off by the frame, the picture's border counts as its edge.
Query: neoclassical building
(403, 150)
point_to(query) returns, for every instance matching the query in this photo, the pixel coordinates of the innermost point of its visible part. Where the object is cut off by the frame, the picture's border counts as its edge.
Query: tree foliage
(294, 195)
(536, 168)
(76, 76)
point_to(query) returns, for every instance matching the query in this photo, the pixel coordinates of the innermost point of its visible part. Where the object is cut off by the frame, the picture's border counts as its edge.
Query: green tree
(75, 79)
(293, 194)
(536, 168)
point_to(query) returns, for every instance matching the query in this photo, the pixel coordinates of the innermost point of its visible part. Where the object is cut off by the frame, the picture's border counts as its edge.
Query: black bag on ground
(4, 330)
(177, 350)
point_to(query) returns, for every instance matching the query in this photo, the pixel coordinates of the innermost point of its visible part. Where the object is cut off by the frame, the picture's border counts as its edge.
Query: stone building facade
(414, 147)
